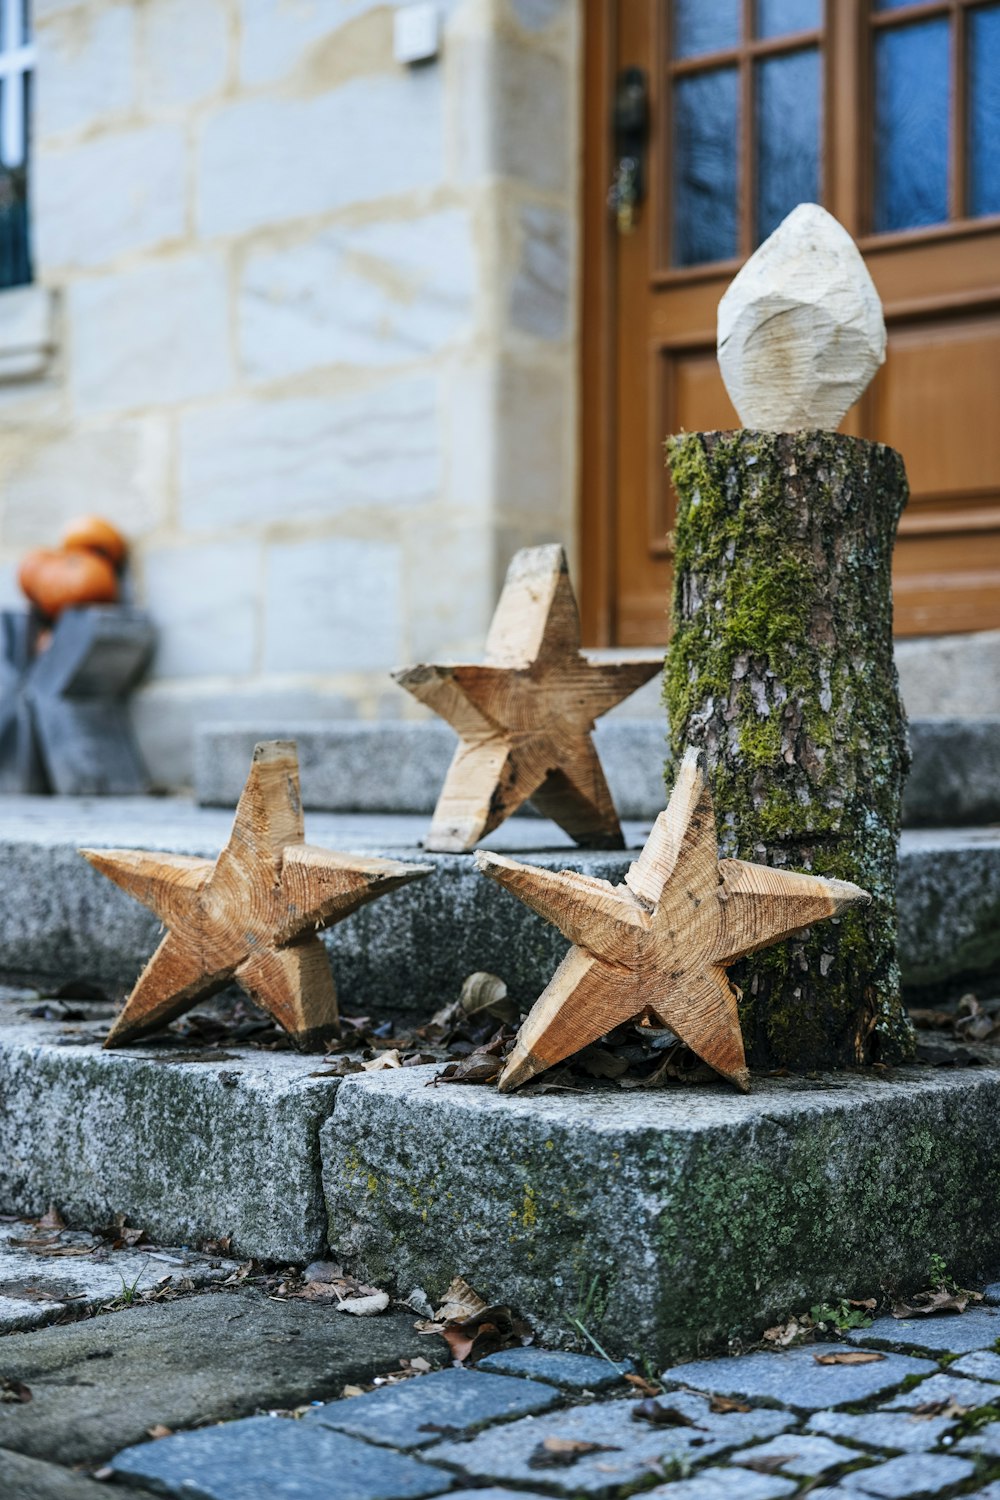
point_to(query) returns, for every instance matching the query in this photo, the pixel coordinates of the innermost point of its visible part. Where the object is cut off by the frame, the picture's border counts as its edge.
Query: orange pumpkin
(94, 534)
(57, 580)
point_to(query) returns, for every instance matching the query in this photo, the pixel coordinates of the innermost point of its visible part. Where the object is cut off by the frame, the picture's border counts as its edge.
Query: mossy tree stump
(781, 670)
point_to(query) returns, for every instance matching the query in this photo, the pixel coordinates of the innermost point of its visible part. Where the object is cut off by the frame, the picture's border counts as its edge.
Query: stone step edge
(412, 951)
(695, 1213)
(399, 767)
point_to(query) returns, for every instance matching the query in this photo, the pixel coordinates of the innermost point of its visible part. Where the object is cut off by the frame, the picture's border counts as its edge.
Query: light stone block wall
(305, 329)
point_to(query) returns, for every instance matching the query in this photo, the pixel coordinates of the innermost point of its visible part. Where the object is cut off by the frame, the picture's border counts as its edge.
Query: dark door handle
(631, 129)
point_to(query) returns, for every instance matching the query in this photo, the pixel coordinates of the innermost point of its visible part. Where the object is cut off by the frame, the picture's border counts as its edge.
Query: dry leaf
(661, 1416)
(722, 1404)
(14, 1391)
(382, 1060)
(643, 1386)
(159, 1431)
(768, 1464)
(365, 1307)
(559, 1453)
(52, 1219)
(849, 1357)
(938, 1300)
(946, 1407)
(419, 1365)
(783, 1334)
(459, 1303)
(353, 1390)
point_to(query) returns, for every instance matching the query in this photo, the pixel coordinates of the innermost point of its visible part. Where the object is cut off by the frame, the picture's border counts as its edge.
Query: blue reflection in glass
(705, 26)
(787, 125)
(779, 17)
(892, 4)
(706, 172)
(984, 111)
(911, 126)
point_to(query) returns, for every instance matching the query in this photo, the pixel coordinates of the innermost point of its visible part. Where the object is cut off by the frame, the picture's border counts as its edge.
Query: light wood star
(658, 946)
(525, 716)
(250, 916)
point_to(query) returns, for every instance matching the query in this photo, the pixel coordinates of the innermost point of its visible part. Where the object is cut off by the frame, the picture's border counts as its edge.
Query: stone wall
(304, 328)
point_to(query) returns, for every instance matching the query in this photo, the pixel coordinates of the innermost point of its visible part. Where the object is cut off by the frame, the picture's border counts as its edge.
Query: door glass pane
(779, 17)
(984, 111)
(705, 170)
(911, 126)
(787, 129)
(705, 26)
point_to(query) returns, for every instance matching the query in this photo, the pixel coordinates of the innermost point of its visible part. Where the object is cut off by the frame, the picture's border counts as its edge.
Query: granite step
(410, 953)
(661, 1221)
(395, 767)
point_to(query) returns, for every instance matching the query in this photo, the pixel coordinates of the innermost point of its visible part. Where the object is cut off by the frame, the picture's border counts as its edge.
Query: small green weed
(840, 1315)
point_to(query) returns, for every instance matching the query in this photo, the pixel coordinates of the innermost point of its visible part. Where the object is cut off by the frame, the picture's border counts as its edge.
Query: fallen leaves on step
(14, 1391)
(487, 993)
(849, 1357)
(935, 1301)
(658, 1415)
(559, 1453)
(643, 1386)
(365, 1307)
(158, 1430)
(722, 1405)
(326, 1283)
(389, 1059)
(946, 1407)
(771, 1463)
(473, 1328)
(795, 1331)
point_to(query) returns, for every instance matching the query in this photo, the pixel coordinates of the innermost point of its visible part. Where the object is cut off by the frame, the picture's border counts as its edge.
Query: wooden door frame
(598, 372)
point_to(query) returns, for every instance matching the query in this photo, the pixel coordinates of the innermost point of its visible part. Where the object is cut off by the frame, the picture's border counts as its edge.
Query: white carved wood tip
(801, 331)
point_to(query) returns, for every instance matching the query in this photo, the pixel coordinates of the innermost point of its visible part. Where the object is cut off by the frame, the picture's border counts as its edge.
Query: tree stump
(781, 671)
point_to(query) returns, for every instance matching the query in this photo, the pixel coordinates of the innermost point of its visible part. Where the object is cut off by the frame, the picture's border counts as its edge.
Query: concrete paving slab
(631, 1448)
(803, 1455)
(42, 1279)
(665, 1219)
(574, 1372)
(943, 1387)
(984, 1364)
(794, 1378)
(24, 1478)
(912, 1476)
(225, 1145)
(265, 1458)
(956, 1333)
(101, 1384)
(727, 1484)
(412, 1415)
(895, 1432)
(411, 952)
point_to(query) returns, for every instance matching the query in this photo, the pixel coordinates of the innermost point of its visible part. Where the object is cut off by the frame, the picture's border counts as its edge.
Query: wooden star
(657, 947)
(525, 716)
(250, 916)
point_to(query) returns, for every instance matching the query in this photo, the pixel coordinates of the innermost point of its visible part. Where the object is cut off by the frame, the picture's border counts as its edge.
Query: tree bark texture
(781, 669)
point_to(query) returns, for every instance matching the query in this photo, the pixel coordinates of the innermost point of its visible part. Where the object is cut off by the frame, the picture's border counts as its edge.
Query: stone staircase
(668, 1217)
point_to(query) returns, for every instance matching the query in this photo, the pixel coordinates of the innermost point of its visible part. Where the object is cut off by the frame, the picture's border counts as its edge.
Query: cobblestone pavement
(918, 1417)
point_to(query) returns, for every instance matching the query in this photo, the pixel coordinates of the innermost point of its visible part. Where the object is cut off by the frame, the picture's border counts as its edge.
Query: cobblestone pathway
(919, 1418)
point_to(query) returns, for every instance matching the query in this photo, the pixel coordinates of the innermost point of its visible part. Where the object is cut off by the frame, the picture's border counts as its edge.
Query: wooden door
(887, 112)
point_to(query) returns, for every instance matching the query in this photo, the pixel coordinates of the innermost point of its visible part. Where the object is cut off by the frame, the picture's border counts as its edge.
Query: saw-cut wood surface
(658, 946)
(524, 717)
(250, 916)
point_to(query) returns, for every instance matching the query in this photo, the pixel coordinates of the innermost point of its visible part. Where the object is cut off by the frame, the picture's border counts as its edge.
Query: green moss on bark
(781, 669)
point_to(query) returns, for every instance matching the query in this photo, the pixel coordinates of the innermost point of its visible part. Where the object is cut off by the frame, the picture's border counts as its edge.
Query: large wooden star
(252, 914)
(658, 946)
(524, 717)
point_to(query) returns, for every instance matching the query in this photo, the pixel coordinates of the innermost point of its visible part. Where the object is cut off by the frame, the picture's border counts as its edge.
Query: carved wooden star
(252, 914)
(658, 946)
(525, 716)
